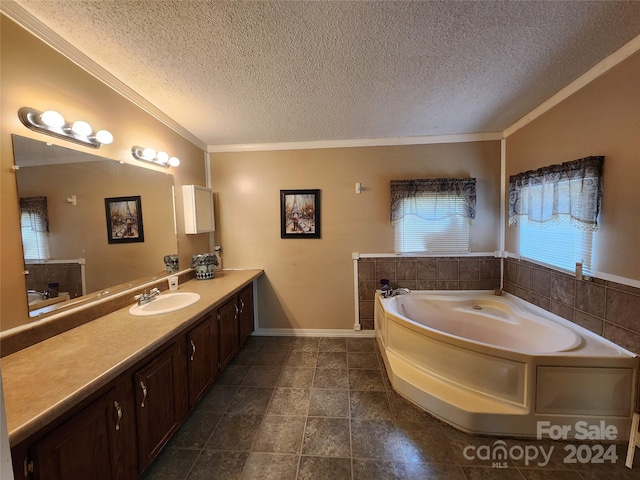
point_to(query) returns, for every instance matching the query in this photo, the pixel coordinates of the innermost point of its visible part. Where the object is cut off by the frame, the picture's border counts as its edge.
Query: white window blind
(34, 236)
(558, 244)
(449, 234)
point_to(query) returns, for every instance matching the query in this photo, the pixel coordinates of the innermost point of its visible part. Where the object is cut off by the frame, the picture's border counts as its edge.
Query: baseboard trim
(312, 332)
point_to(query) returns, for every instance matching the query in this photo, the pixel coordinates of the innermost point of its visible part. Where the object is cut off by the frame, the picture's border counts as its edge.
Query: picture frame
(300, 213)
(124, 219)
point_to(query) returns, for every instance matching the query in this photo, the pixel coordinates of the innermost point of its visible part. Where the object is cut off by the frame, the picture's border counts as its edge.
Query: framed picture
(299, 213)
(124, 219)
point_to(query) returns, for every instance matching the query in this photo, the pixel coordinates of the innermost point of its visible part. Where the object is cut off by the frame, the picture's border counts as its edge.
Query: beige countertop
(43, 381)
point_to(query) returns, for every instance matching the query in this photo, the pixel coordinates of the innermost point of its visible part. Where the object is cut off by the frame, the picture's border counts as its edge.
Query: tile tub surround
(325, 410)
(423, 273)
(609, 309)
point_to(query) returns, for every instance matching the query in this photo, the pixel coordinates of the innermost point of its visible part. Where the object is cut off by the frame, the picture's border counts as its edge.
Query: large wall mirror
(90, 225)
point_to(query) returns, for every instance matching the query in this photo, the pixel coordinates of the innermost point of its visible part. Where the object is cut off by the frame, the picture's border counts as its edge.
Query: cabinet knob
(118, 408)
(144, 393)
(193, 350)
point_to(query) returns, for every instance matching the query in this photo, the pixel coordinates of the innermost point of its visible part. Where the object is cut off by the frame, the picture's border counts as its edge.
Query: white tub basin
(166, 303)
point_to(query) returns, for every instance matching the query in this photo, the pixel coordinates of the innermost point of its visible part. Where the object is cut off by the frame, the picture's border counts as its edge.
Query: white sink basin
(166, 303)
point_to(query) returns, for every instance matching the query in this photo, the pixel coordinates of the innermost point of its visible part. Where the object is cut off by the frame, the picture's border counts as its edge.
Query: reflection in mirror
(69, 249)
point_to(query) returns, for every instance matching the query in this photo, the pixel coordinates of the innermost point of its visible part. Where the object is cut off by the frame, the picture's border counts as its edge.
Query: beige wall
(602, 118)
(309, 282)
(34, 75)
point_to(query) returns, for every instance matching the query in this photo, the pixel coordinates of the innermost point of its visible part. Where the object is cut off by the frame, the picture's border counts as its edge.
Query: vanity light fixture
(150, 155)
(52, 123)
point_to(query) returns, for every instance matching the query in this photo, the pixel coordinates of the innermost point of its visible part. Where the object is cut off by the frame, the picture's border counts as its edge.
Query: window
(557, 210)
(560, 244)
(34, 223)
(432, 216)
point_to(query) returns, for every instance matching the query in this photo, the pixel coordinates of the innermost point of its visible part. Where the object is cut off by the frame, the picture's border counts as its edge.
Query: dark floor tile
(332, 345)
(259, 376)
(218, 465)
(296, 377)
(196, 430)
(422, 446)
(368, 469)
(251, 400)
(217, 399)
(361, 344)
(279, 434)
(235, 432)
(171, 464)
(331, 378)
(370, 405)
(324, 468)
(232, 375)
(254, 343)
(366, 360)
(375, 439)
(366, 380)
(326, 437)
(434, 471)
(329, 403)
(550, 474)
(488, 473)
(302, 358)
(245, 357)
(271, 358)
(332, 360)
(289, 401)
(307, 344)
(405, 411)
(268, 466)
(277, 343)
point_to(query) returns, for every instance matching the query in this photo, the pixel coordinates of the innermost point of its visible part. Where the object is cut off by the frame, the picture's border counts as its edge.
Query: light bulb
(174, 161)
(52, 119)
(81, 128)
(104, 137)
(162, 157)
(149, 153)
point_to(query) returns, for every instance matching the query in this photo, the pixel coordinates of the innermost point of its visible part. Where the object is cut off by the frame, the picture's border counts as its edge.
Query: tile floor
(322, 408)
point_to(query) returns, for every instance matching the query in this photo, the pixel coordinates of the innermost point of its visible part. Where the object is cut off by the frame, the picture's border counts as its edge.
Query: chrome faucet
(398, 291)
(147, 297)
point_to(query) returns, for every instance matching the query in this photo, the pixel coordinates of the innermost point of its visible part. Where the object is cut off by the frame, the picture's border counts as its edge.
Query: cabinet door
(202, 353)
(161, 399)
(229, 331)
(97, 443)
(245, 315)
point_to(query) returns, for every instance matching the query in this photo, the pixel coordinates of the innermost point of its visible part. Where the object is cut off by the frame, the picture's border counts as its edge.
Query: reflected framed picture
(124, 219)
(299, 213)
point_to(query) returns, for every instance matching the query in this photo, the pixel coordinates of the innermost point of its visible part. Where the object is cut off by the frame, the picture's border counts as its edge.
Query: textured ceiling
(240, 72)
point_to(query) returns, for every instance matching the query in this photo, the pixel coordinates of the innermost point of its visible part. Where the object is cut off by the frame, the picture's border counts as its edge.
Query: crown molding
(30, 23)
(353, 143)
(589, 76)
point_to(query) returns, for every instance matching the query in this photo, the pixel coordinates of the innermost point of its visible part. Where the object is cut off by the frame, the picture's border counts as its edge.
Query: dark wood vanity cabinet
(115, 433)
(229, 331)
(245, 313)
(161, 401)
(96, 443)
(202, 354)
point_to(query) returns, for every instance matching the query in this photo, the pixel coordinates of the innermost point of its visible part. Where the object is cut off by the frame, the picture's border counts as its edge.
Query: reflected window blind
(34, 236)
(444, 234)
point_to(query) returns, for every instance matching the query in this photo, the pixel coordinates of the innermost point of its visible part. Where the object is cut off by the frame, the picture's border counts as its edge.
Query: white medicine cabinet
(198, 209)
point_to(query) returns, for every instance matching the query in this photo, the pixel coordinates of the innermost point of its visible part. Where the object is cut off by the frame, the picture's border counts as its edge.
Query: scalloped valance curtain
(445, 192)
(571, 190)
